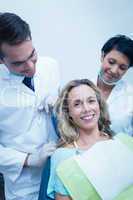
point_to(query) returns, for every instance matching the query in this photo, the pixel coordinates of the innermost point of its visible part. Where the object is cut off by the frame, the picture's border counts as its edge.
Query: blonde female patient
(88, 151)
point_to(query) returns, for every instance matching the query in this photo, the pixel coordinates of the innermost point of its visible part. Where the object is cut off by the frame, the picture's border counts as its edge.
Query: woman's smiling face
(83, 107)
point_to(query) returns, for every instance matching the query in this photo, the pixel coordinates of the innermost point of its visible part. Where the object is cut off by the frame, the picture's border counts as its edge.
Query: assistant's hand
(38, 159)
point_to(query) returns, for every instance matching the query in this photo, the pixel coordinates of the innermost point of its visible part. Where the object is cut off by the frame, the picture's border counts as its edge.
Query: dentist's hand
(39, 158)
(47, 104)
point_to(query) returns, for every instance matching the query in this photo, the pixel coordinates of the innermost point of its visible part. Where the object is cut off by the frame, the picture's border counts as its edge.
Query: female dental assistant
(114, 84)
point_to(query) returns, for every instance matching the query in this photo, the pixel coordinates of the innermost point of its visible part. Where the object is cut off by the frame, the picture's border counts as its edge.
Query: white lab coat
(120, 104)
(24, 127)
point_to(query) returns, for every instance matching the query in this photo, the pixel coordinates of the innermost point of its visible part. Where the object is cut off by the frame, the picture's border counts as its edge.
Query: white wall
(73, 31)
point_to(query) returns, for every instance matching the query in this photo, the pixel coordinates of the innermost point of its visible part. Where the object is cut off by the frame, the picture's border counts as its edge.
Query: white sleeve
(129, 109)
(54, 77)
(50, 74)
(11, 162)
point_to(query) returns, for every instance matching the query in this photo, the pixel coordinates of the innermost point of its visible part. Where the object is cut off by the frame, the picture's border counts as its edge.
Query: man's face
(20, 59)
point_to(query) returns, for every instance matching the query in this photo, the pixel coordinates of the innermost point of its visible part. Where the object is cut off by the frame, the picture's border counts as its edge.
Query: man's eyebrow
(20, 62)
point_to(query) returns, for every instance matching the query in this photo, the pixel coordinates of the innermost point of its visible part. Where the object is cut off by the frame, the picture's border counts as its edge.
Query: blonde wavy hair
(68, 130)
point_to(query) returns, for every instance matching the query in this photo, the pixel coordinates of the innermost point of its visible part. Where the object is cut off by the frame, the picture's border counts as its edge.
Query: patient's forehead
(81, 92)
